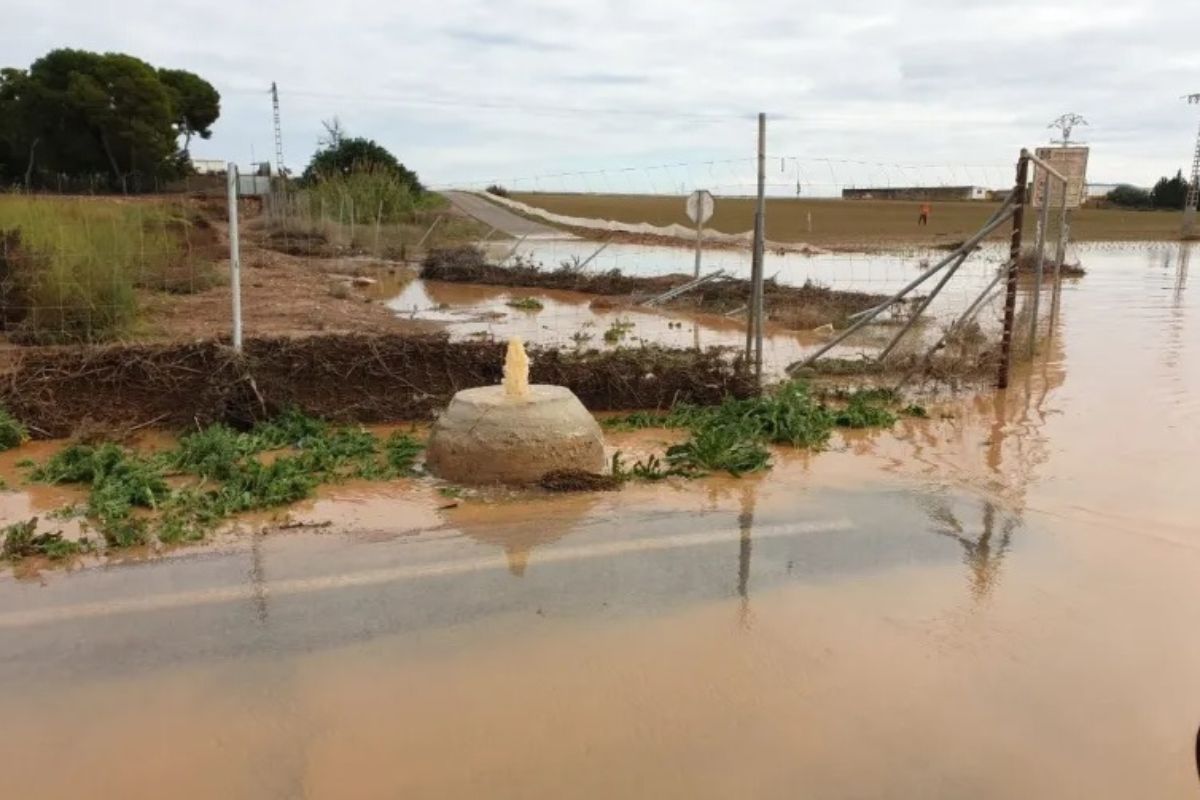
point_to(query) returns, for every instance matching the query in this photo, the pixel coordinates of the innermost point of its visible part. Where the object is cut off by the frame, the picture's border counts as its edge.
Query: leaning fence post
(1014, 259)
(235, 257)
(421, 243)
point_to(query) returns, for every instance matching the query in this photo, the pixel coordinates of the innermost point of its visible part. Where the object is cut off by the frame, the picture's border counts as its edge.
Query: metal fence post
(1064, 228)
(429, 232)
(235, 257)
(1040, 262)
(760, 235)
(1014, 265)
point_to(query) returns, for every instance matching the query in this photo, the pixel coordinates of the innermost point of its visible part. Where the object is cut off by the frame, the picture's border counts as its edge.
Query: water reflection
(519, 528)
(745, 546)
(983, 556)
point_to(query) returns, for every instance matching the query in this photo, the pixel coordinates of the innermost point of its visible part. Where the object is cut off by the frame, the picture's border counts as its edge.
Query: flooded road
(1000, 601)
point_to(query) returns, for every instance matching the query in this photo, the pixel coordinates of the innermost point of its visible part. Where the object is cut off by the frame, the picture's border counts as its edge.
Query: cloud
(486, 39)
(468, 90)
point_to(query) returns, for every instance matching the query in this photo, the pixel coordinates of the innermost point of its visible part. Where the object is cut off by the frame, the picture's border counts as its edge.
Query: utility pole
(1065, 124)
(1193, 192)
(278, 132)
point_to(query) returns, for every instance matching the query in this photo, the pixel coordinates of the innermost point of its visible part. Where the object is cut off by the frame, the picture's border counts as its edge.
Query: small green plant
(213, 452)
(915, 410)
(731, 436)
(130, 500)
(580, 338)
(861, 412)
(401, 451)
(525, 304)
(12, 432)
(733, 449)
(618, 330)
(453, 492)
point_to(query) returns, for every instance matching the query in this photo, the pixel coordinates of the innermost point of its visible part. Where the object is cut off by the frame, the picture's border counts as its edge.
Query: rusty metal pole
(1014, 266)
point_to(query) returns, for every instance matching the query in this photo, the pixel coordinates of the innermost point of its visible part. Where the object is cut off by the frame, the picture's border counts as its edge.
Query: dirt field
(852, 224)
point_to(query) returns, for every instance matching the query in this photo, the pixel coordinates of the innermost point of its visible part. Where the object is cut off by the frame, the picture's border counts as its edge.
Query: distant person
(925, 210)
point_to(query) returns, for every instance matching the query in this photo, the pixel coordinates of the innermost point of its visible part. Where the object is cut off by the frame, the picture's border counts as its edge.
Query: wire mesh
(80, 269)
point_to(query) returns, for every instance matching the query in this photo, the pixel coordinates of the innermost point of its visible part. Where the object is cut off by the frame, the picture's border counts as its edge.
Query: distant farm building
(208, 166)
(917, 193)
(1095, 191)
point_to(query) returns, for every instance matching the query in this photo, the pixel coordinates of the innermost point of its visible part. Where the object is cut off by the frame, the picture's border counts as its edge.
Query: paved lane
(502, 219)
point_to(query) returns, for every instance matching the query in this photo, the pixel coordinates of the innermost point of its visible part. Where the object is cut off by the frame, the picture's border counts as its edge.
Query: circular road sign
(700, 206)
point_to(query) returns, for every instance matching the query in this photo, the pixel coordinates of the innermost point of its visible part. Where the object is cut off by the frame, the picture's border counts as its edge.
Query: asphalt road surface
(502, 219)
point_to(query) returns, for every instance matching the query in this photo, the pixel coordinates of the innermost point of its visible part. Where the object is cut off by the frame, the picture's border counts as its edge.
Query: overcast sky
(465, 91)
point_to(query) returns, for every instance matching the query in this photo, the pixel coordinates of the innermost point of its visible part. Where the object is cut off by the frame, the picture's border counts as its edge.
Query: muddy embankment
(342, 377)
(796, 307)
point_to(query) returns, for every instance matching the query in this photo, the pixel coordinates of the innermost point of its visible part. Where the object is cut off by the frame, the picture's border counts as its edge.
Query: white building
(208, 166)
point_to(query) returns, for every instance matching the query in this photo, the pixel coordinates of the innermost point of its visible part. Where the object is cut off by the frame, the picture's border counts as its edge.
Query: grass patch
(618, 330)
(731, 437)
(69, 267)
(525, 304)
(12, 432)
(218, 472)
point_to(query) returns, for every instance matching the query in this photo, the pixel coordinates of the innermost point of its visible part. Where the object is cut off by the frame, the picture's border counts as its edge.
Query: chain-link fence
(75, 269)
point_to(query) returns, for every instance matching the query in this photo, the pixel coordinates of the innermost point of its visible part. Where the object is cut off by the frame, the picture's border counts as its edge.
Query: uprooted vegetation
(1069, 269)
(339, 377)
(181, 494)
(798, 307)
(965, 355)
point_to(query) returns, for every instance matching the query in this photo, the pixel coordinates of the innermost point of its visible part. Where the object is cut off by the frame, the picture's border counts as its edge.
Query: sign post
(700, 205)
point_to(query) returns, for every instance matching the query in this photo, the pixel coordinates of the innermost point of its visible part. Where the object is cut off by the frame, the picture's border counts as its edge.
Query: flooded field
(576, 320)
(999, 601)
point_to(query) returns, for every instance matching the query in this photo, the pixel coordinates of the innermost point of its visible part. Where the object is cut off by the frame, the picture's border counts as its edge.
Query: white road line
(297, 586)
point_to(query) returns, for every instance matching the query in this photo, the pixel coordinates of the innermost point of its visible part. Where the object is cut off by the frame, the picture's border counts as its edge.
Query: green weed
(214, 452)
(525, 304)
(720, 447)
(72, 264)
(400, 451)
(618, 330)
(129, 498)
(12, 432)
(731, 436)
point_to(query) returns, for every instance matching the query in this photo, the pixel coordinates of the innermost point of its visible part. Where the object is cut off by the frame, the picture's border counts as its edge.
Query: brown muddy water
(569, 320)
(998, 602)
